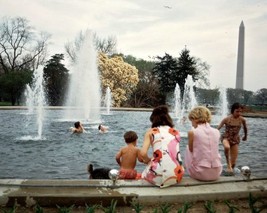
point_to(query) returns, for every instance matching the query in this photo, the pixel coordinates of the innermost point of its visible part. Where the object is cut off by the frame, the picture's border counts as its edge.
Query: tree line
(133, 82)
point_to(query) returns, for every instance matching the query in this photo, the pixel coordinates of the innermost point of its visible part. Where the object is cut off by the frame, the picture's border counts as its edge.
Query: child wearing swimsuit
(230, 137)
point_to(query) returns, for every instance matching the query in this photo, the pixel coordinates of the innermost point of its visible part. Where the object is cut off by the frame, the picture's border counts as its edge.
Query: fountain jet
(83, 99)
(108, 100)
(189, 98)
(35, 99)
(177, 101)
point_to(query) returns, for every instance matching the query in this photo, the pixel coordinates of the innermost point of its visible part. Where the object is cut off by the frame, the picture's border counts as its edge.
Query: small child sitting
(127, 156)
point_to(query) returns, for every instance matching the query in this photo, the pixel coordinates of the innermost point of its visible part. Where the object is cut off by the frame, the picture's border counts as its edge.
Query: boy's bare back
(127, 156)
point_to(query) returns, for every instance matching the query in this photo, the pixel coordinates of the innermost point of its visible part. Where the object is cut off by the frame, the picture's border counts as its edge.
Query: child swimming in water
(102, 128)
(78, 127)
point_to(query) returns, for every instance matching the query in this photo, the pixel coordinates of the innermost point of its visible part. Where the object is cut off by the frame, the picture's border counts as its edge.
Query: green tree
(147, 91)
(261, 96)
(56, 78)
(239, 95)
(247, 97)
(186, 66)
(12, 84)
(207, 96)
(164, 71)
(169, 71)
(22, 50)
(234, 95)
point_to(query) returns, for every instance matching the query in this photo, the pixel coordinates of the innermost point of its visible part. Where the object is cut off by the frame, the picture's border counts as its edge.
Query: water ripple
(60, 154)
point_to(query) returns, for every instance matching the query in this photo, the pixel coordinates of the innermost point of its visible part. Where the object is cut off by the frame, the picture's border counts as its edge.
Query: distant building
(240, 58)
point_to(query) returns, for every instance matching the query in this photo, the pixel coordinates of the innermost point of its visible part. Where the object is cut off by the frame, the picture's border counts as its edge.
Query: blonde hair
(201, 114)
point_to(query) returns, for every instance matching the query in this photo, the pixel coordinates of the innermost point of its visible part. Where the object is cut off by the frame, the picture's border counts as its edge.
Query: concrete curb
(49, 193)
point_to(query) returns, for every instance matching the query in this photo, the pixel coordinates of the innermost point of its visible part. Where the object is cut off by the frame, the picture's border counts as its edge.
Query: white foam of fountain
(223, 102)
(177, 101)
(83, 99)
(36, 100)
(189, 98)
(29, 99)
(108, 100)
(221, 110)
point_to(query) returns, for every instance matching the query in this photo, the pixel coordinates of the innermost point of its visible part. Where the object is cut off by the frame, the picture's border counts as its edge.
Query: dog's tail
(90, 168)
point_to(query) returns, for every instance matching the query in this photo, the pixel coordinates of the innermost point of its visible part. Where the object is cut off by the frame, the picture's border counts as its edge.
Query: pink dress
(165, 167)
(204, 163)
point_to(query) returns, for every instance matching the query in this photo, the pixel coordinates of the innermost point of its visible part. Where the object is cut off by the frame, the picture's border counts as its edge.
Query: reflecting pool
(60, 154)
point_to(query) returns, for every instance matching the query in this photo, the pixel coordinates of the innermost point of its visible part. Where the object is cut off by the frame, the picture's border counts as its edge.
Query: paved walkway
(81, 192)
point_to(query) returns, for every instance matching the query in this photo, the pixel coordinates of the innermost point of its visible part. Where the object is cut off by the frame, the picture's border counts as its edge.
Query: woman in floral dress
(165, 167)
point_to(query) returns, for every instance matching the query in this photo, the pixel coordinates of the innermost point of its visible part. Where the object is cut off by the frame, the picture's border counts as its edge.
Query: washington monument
(240, 58)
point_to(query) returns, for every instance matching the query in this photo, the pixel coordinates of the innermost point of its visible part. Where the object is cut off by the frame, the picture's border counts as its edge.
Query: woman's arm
(190, 140)
(145, 147)
(139, 157)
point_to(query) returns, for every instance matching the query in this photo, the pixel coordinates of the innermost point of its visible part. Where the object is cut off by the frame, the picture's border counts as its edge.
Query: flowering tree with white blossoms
(119, 76)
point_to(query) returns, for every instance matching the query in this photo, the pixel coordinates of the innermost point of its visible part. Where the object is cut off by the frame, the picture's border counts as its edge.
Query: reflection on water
(60, 154)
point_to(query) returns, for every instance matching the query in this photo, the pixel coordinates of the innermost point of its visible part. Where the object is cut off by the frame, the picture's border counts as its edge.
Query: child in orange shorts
(127, 157)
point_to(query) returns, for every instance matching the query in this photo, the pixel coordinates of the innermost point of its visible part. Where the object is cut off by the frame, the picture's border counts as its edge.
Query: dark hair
(160, 117)
(130, 136)
(77, 124)
(99, 127)
(235, 106)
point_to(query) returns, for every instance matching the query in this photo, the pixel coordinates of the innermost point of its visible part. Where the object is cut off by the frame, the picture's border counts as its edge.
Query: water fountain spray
(83, 99)
(108, 100)
(189, 98)
(177, 101)
(35, 99)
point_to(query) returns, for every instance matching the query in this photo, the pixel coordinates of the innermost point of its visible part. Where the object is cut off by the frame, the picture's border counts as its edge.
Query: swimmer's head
(77, 124)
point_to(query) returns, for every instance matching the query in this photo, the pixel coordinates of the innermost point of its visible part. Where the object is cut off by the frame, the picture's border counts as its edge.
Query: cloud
(148, 28)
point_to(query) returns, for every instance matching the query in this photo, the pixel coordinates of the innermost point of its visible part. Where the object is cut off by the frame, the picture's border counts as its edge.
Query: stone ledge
(80, 192)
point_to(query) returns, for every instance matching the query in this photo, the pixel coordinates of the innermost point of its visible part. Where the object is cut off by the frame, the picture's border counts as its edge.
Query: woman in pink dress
(202, 157)
(165, 167)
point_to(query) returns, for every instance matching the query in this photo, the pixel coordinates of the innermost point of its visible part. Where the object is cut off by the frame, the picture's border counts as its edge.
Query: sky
(147, 28)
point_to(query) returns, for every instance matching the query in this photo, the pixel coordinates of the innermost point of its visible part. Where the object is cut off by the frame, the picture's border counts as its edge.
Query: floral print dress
(165, 167)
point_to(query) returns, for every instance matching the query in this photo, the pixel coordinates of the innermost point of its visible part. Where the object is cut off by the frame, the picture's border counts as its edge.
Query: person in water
(127, 156)
(165, 167)
(202, 157)
(102, 128)
(78, 127)
(230, 137)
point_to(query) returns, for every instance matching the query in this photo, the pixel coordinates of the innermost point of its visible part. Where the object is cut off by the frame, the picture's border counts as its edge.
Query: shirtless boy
(127, 156)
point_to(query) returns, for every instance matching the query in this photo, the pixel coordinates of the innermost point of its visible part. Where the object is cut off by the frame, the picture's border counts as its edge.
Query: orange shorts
(127, 174)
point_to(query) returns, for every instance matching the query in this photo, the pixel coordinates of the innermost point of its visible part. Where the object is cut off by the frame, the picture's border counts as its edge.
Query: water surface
(60, 154)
